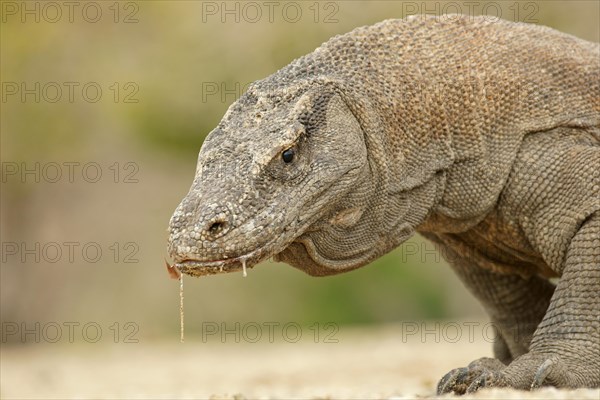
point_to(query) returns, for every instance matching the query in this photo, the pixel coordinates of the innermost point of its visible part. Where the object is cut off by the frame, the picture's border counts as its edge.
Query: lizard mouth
(201, 268)
(235, 264)
(195, 267)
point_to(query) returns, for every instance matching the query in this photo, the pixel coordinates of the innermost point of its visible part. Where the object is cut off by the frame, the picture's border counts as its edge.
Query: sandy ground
(364, 363)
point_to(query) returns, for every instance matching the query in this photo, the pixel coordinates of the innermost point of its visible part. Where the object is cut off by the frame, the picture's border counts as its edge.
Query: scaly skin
(482, 135)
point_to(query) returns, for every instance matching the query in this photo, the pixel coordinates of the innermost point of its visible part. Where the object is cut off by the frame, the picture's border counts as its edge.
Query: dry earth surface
(365, 363)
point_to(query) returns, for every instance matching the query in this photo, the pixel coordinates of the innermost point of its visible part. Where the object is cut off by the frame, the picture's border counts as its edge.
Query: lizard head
(285, 174)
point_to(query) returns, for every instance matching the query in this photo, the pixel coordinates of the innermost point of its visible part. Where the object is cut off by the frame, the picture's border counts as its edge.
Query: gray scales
(483, 136)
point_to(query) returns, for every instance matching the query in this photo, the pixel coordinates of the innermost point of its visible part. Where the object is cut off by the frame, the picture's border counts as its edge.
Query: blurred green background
(167, 71)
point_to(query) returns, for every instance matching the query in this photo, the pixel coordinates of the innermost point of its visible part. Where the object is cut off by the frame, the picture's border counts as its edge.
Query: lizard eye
(288, 155)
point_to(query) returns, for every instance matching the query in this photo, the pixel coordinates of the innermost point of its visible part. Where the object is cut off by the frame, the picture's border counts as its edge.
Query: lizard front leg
(515, 305)
(565, 348)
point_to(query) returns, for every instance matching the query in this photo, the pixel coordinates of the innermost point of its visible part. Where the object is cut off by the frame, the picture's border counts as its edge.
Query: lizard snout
(195, 227)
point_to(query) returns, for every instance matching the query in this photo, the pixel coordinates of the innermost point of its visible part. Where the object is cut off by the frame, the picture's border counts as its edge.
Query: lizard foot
(527, 372)
(470, 378)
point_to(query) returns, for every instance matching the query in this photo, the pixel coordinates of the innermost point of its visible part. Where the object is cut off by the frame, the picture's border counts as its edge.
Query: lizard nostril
(217, 227)
(216, 221)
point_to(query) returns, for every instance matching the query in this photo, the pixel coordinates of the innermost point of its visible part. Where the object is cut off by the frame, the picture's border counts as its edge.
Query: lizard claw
(478, 383)
(487, 379)
(542, 373)
(453, 381)
(554, 372)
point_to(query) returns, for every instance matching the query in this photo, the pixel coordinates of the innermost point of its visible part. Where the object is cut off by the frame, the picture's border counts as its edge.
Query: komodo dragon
(482, 135)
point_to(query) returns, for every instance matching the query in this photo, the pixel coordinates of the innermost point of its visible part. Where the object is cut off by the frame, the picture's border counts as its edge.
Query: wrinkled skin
(482, 136)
